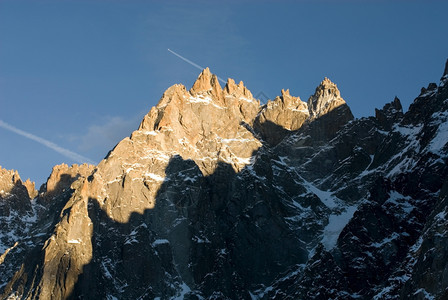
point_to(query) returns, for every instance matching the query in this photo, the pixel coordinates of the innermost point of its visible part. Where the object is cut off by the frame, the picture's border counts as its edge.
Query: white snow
(154, 176)
(239, 140)
(185, 289)
(200, 99)
(386, 240)
(203, 100)
(158, 155)
(150, 132)
(326, 197)
(245, 99)
(305, 111)
(399, 200)
(106, 270)
(335, 225)
(405, 162)
(427, 295)
(74, 241)
(408, 131)
(199, 240)
(441, 216)
(160, 242)
(441, 137)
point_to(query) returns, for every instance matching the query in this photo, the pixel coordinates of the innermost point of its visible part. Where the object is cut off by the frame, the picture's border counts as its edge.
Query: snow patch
(386, 240)
(74, 241)
(203, 100)
(407, 130)
(185, 289)
(441, 137)
(150, 132)
(428, 296)
(327, 198)
(199, 240)
(154, 177)
(401, 201)
(335, 225)
(160, 242)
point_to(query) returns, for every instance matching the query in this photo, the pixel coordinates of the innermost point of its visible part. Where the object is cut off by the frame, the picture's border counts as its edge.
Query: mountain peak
(11, 184)
(326, 98)
(206, 82)
(390, 114)
(237, 90)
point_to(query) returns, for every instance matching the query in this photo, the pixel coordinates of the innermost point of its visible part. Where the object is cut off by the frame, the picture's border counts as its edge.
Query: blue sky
(82, 74)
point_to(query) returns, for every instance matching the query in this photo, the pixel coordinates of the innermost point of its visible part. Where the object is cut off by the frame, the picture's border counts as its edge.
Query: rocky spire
(10, 183)
(207, 83)
(61, 178)
(326, 98)
(390, 114)
(280, 116)
(236, 90)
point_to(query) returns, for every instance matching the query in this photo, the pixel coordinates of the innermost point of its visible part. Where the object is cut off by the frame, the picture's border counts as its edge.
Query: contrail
(193, 64)
(67, 153)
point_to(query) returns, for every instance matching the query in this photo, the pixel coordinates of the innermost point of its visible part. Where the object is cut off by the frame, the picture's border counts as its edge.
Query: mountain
(216, 196)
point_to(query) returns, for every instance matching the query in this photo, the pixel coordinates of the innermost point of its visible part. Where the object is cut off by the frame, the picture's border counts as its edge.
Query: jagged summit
(390, 114)
(326, 98)
(240, 90)
(206, 109)
(207, 83)
(10, 183)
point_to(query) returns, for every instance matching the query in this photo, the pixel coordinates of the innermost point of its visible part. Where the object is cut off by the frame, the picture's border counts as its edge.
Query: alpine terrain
(216, 196)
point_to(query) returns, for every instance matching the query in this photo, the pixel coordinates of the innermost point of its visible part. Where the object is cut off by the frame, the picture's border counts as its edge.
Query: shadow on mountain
(327, 126)
(270, 132)
(223, 234)
(324, 128)
(28, 258)
(17, 199)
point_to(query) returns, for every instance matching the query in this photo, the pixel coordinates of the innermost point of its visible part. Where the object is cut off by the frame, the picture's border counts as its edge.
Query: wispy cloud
(108, 133)
(67, 153)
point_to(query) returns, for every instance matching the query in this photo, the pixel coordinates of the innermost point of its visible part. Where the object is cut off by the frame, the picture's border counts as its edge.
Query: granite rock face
(217, 197)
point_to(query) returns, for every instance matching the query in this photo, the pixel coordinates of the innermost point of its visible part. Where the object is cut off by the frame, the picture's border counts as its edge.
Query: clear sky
(81, 75)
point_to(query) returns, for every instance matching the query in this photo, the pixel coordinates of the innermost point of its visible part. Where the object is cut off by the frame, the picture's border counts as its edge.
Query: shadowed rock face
(217, 197)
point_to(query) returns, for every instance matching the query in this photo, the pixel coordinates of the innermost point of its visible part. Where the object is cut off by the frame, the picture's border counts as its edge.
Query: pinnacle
(327, 83)
(206, 81)
(326, 98)
(230, 86)
(285, 93)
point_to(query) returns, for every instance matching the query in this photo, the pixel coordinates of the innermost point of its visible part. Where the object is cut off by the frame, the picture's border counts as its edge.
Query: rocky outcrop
(286, 114)
(217, 197)
(325, 99)
(30, 224)
(61, 178)
(280, 116)
(12, 186)
(390, 114)
(17, 214)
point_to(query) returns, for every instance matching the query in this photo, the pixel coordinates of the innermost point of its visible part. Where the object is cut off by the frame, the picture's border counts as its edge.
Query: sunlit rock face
(215, 196)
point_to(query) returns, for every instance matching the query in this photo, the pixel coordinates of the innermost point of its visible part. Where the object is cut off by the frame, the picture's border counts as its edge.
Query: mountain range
(217, 196)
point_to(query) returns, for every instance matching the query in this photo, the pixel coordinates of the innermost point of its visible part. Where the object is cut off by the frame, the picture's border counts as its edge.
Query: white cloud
(106, 135)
